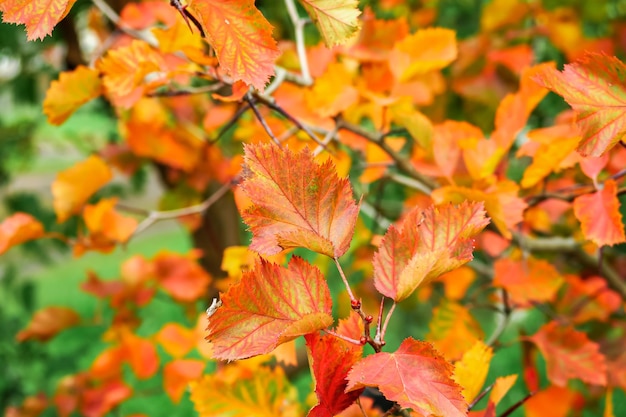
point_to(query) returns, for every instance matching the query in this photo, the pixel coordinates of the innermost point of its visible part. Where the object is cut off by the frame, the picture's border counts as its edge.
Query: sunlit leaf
(39, 16)
(453, 330)
(501, 387)
(241, 36)
(47, 322)
(17, 229)
(73, 186)
(427, 244)
(415, 376)
(599, 215)
(337, 20)
(471, 371)
(269, 306)
(570, 354)
(297, 202)
(593, 86)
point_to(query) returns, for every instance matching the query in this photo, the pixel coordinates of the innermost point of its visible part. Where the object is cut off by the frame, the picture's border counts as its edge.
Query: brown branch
(261, 119)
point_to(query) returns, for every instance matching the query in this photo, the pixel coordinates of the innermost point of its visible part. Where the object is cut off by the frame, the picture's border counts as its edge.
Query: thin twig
(381, 339)
(517, 405)
(342, 337)
(187, 91)
(231, 122)
(261, 119)
(503, 322)
(480, 397)
(380, 318)
(298, 24)
(106, 10)
(345, 281)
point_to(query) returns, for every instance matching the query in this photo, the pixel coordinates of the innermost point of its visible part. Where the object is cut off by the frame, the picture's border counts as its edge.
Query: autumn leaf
(237, 391)
(99, 400)
(570, 354)
(69, 92)
(73, 186)
(330, 359)
(176, 340)
(586, 299)
(39, 16)
(269, 306)
(501, 387)
(241, 36)
(424, 51)
(593, 87)
(17, 229)
(599, 215)
(106, 224)
(426, 245)
(527, 280)
(178, 374)
(453, 330)
(471, 371)
(415, 376)
(325, 99)
(181, 276)
(47, 322)
(545, 402)
(141, 355)
(296, 202)
(337, 20)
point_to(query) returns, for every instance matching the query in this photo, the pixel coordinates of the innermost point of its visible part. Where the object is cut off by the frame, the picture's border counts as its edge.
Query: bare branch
(298, 24)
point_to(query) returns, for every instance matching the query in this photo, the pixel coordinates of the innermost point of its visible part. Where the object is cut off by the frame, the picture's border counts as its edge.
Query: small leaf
(570, 354)
(39, 16)
(47, 322)
(241, 36)
(100, 400)
(501, 387)
(415, 376)
(330, 360)
(453, 330)
(177, 375)
(141, 355)
(237, 391)
(73, 186)
(325, 99)
(17, 229)
(181, 276)
(297, 202)
(527, 280)
(599, 215)
(337, 20)
(106, 225)
(471, 371)
(593, 86)
(176, 340)
(69, 92)
(269, 306)
(426, 245)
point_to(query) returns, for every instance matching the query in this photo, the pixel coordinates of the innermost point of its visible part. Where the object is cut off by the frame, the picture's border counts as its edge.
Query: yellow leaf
(331, 94)
(501, 387)
(471, 371)
(69, 92)
(337, 20)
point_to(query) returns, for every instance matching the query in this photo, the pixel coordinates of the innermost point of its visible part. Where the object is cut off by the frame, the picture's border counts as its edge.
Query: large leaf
(17, 229)
(570, 354)
(599, 215)
(39, 16)
(594, 87)
(69, 92)
(337, 20)
(415, 376)
(269, 306)
(426, 245)
(237, 391)
(73, 186)
(297, 202)
(330, 359)
(241, 36)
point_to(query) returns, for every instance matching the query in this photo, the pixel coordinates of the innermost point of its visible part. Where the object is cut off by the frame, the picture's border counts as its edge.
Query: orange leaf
(47, 322)
(106, 224)
(501, 387)
(17, 229)
(599, 215)
(336, 20)
(182, 277)
(330, 359)
(593, 87)
(588, 299)
(141, 355)
(73, 186)
(527, 280)
(325, 99)
(108, 364)
(427, 244)
(415, 376)
(424, 51)
(241, 36)
(269, 306)
(553, 401)
(178, 374)
(296, 202)
(570, 354)
(99, 401)
(39, 16)
(471, 371)
(176, 339)
(69, 92)
(453, 330)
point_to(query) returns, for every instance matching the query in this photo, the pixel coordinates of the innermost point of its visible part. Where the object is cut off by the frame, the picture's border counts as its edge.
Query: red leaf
(181, 276)
(331, 359)
(426, 245)
(177, 375)
(415, 376)
(39, 16)
(241, 36)
(269, 306)
(599, 215)
(593, 86)
(17, 229)
(47, 322)
(570, 354)
(297, 202)
(97, 402)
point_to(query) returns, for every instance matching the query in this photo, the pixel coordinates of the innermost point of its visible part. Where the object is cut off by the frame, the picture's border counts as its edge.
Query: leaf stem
(480, 397)
(381, 337)
(342, 337)
(298, 24)
(345, 281)
(261, 119)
